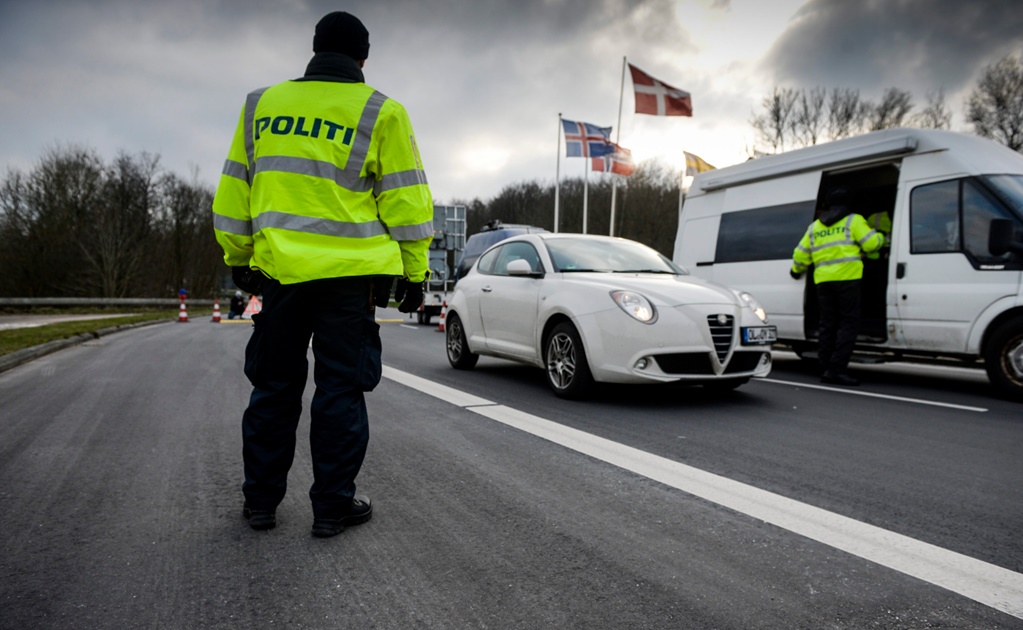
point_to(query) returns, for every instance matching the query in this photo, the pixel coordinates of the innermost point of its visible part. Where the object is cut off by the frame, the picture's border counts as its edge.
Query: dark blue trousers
(339, 317)
(839, 303)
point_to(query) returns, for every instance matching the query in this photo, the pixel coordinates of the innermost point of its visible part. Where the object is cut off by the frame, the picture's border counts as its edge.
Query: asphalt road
(497, 505)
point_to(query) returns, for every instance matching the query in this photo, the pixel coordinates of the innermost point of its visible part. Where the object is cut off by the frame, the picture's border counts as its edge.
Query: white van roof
(978, 155)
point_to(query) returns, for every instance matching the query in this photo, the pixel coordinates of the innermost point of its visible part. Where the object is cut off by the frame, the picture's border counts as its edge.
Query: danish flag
(658, 98)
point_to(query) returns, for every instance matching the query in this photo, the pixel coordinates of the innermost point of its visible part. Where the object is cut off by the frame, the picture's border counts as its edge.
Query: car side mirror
(521, 267)
(1002, 237)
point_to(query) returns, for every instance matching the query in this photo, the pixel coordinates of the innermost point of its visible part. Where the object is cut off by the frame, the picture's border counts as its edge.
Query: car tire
(565, 365)
(1003, 359)
(725, 385)
(459, 355)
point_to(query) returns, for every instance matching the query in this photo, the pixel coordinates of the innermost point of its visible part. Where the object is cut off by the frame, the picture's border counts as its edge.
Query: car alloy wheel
(567, 371)
(459, 355)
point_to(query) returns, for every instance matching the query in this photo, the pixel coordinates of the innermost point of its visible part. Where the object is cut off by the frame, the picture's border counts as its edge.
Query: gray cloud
(920, 45)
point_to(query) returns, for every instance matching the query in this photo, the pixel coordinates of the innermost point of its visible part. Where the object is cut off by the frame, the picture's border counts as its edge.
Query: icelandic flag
(586, 140)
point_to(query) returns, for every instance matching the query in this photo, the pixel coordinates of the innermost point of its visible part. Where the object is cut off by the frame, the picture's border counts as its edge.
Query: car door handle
(486, 289)
(900, 271)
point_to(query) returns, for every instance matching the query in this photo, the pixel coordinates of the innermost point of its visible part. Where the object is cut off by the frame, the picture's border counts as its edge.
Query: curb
(25, 355)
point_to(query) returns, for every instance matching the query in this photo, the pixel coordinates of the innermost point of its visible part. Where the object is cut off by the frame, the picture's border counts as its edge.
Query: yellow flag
(696, 164)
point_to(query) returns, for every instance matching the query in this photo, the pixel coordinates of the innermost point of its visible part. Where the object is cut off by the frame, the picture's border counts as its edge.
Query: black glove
(382, 291)
(795, 274)
(248, 280)
(410, 294)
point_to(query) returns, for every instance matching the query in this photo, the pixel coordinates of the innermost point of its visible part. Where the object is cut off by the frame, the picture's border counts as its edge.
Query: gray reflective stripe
(399, 180)
(364, 133)
(411, 232)
(818, 248)
(848, 229)
(838, 261)
(867, 237)
(250, 114)
(236, 170)
(803, 249)
(232, 226)
(313, 225)
(315, 168)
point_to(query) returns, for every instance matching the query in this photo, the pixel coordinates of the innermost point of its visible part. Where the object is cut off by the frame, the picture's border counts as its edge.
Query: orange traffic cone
(254, 307)
(216, 311)
(443, 314)
(183, 314)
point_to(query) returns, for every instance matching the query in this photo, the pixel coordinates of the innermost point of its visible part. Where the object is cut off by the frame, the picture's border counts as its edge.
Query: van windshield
(1009, 189)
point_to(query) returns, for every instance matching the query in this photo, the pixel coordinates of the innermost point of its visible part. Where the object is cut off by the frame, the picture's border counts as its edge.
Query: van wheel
(1003, 359)
(564, 359)
(459, 355)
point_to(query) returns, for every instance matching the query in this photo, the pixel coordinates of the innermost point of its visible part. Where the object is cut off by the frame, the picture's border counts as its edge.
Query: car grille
(743, 362)
(721, 333)
(685, 363)
(698, 363)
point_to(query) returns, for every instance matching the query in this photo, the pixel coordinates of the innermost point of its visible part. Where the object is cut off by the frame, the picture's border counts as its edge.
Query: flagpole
(618, 135)
(557, 176)
(586, 185)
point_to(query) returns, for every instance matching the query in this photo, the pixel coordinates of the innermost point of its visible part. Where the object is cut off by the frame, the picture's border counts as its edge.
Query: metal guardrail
(115, 302)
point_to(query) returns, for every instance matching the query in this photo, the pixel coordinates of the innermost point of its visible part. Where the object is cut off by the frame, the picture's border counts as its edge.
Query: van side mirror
(1002, 237)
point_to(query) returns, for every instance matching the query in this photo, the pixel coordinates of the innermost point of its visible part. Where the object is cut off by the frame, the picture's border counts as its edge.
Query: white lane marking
(445, 393)
(980, 581)
(856, 392)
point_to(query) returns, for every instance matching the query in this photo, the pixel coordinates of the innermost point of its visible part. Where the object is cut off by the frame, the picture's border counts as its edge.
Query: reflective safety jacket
(836, 250)
(882, 222)
(324, 180)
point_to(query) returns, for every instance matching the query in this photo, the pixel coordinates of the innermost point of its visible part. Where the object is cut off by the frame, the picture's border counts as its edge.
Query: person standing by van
(835, 244)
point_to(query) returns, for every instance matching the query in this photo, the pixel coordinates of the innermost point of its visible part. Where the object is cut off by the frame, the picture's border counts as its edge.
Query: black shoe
(260, 519)
(833, 378)
(362, 511)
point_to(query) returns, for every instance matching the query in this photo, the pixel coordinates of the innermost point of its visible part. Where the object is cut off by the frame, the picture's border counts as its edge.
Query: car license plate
(759, 335)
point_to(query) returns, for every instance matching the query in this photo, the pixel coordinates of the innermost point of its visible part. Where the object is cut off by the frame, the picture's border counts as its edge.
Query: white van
(948, 288)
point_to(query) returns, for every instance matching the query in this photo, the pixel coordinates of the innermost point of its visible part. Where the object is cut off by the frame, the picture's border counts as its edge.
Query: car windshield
(608, 256)
(1009, 189)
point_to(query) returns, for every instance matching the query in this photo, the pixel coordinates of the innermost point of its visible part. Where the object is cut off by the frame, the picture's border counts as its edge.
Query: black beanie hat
(342, 32)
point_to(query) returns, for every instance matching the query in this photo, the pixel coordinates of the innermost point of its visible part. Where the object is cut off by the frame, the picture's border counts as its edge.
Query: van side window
(762, 233)
(978, 210)
(934, 218)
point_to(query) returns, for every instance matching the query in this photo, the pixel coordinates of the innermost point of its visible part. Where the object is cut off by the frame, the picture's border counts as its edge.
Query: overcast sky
(483, 80)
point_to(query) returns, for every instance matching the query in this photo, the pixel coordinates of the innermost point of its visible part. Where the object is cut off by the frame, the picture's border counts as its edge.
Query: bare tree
(891, 111)
(995, 107)
(845, 113)
(808, 122)
(774, 124)
(935, 115)
(114, 241)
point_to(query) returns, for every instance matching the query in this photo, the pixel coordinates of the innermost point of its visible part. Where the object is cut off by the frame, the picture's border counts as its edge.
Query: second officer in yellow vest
(322, 200)
(834, 244)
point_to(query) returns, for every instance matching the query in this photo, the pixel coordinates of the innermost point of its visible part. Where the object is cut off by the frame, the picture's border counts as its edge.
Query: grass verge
(20, 338)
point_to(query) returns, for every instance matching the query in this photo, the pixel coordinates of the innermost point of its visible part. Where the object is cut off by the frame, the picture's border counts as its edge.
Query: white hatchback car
(595, 308)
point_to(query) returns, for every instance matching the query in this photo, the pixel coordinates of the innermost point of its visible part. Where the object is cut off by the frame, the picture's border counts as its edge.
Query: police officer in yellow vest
(322, 206)
(834, 244)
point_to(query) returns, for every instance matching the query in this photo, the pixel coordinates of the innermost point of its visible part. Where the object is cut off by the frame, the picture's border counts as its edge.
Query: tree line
(77, 226)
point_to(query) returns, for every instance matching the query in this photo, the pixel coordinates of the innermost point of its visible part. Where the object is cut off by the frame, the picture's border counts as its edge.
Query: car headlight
(637, 306)
(751, 302)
